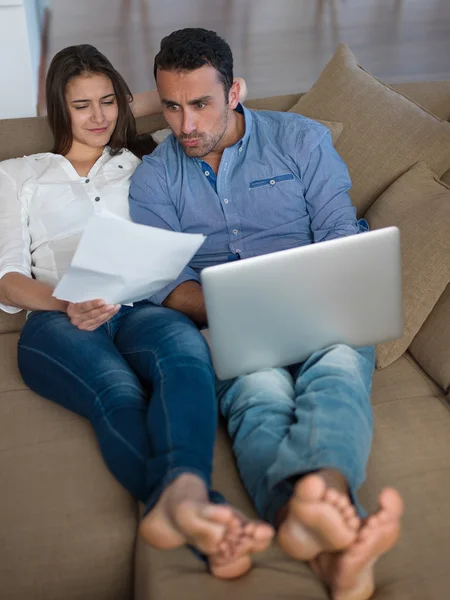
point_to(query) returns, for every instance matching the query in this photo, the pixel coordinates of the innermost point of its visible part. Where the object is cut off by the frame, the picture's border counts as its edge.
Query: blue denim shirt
(282, 185)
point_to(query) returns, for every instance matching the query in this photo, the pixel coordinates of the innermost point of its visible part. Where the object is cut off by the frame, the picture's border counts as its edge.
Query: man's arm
(326, 184)
(188, 299)
(150, 204)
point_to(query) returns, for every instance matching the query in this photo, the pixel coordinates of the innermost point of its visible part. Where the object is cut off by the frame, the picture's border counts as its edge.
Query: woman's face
(93, 109)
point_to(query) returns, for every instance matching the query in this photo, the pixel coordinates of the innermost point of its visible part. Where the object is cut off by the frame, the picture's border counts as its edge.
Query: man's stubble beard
(208, 145)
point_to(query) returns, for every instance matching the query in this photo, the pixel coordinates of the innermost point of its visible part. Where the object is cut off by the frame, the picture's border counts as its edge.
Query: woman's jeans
(144, 380)
(285, 423)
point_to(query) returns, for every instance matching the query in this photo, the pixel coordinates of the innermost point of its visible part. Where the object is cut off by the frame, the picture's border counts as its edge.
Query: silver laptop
(275, 310)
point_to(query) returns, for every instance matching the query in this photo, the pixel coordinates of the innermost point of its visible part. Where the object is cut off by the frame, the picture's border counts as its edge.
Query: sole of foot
(350, 574)
(236, 560)
(200, 524)
(319, 519)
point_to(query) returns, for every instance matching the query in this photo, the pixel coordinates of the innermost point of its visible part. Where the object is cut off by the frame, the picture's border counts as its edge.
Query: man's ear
(234, 94)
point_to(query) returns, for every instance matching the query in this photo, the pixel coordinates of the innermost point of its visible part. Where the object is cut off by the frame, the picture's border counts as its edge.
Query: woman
(99, 360)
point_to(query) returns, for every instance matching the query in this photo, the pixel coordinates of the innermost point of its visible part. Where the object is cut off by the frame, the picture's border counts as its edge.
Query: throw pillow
(418, 203)
(385, 133)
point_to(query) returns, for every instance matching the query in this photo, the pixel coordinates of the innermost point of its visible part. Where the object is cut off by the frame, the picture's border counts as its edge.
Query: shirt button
(120, 167)
(226, 200)
(207, 173)
(97, 198)
(240, 149)
(272, 182)
(86, 180)
(235, 231)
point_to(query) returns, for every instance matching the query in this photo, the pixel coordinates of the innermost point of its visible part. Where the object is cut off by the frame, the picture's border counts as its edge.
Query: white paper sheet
(122, 262)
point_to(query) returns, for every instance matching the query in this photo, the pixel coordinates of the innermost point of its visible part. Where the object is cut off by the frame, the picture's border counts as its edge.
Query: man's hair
(191, 48)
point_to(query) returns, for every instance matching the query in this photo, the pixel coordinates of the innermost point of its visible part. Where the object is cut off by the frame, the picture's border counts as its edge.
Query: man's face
(195, 108)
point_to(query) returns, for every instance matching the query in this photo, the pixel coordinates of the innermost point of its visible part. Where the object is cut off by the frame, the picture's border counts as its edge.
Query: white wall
(19, 58)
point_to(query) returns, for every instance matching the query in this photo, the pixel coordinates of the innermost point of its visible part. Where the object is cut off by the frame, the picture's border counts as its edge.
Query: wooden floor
(279, 46)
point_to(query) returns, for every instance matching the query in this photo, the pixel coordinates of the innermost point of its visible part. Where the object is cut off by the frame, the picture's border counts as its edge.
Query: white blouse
(45, 205)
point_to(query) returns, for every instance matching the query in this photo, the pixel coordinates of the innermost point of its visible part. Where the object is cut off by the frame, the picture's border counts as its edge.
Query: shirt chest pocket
(271, 182)
(275, 200)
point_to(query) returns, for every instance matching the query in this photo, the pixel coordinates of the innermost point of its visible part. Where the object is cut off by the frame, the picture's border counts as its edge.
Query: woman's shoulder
(21, 168)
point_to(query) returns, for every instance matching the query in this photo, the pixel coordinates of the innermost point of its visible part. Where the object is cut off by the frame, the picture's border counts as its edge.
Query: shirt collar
(240, 108)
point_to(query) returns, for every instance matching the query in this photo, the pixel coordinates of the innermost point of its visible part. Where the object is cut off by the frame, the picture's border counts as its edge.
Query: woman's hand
(91, 314)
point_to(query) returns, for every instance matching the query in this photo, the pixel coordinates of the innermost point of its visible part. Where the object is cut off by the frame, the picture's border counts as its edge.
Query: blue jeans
(285, 423)
(144, 380)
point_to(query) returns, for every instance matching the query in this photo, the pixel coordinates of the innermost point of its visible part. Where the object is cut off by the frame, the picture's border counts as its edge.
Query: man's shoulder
(289, 125)
(168, 149)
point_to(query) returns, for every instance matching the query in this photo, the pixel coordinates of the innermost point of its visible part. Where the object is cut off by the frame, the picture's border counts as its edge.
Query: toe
(310, 488)
(391, 501)
(333, 497)
(349, 512)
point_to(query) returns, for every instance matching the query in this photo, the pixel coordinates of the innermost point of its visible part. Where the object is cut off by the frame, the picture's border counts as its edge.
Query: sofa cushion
(11, 322)
(432, 95)
(67, 528)
(431, 346)
(21, 137)
(419, 204)
(384, 134)
(446, 177)
(410, 452)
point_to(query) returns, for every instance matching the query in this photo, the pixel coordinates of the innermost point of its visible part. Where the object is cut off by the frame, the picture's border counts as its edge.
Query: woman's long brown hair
(85, 59)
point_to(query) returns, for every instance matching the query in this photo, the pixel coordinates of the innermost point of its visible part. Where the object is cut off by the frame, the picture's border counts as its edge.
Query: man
(258, 182)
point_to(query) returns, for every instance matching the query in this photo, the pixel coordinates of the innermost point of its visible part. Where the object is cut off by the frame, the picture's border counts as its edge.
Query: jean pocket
(271, 181)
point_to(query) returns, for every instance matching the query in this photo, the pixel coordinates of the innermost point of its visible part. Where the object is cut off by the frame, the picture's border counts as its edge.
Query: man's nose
(188, 125)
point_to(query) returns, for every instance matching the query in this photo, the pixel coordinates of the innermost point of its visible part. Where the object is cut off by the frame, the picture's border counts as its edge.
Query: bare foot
(319, 519)
(349, 574)
(184, 515)
(234, 557)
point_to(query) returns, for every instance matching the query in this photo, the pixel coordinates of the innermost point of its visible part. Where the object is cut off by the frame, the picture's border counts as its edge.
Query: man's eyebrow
(87, 100)
(168, 102)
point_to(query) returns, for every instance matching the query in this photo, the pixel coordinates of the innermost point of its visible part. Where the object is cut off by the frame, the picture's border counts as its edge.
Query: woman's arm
(148, 103)
(23, 292)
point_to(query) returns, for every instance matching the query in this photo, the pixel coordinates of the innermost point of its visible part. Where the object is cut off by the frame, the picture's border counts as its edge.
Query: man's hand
(91, 314)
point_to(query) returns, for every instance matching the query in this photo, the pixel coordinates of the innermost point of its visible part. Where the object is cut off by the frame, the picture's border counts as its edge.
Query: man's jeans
(289, 422)
(108, 376)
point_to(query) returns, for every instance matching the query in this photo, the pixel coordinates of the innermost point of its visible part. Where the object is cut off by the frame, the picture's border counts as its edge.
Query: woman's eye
(109, 102)
(80, 107)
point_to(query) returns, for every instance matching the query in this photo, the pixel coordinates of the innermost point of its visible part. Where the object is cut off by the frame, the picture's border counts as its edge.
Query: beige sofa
(68, 529)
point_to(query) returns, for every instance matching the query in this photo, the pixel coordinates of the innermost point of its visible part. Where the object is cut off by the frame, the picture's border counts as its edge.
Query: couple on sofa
(142, 374)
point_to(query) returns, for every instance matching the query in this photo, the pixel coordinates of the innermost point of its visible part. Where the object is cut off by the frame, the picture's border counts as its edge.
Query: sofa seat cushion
(411, 449)
(419, 205)
(410, 452)
(67, 528)
(385, 133)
